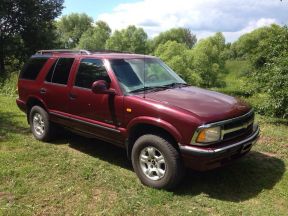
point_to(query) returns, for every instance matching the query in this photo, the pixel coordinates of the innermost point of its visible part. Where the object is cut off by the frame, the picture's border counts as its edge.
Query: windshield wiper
(149, 88)
(171, 85)
(175, 84)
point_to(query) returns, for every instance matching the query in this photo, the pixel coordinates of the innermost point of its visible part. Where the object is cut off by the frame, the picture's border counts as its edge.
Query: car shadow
(241, 180)
(9, 126)
(95, 148)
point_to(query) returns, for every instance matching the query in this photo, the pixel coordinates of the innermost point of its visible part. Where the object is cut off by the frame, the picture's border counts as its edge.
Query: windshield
(131, 76)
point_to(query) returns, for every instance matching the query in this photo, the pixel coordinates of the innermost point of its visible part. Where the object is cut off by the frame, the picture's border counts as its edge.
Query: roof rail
(43, 52)
(109, 51)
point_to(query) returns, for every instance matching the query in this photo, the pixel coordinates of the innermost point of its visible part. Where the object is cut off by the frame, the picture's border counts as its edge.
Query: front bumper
(204, 158)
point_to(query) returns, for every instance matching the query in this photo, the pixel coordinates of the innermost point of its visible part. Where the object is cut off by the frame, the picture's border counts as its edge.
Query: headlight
(207, 135)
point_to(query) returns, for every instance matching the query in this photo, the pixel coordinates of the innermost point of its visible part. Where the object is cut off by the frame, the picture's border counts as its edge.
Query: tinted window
(89, 71)
(50, 73)
(59, 72)
(32, 68)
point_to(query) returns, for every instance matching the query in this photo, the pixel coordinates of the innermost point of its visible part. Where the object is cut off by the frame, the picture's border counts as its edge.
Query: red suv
(138, 103)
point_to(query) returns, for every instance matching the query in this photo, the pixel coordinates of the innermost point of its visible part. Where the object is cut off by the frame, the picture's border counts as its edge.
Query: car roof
(103, 54)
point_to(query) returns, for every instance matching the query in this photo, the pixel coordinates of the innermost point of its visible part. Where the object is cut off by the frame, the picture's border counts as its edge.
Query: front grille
(231, 129)
(238, 127)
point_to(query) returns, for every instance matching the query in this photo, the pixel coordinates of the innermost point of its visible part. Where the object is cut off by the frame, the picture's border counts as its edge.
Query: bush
(270, 72)
(275, 77)
(9, 85)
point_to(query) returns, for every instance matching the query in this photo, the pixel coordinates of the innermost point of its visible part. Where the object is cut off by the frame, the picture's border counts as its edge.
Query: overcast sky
(203, 17)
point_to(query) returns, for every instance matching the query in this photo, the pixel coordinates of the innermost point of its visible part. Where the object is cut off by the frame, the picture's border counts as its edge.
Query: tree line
(28, 26)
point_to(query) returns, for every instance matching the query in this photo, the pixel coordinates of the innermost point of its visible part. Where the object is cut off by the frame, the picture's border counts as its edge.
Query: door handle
(72, 96)
(43, 91)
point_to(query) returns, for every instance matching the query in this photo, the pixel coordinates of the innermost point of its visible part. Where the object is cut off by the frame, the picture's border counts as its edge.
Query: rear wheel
(39, 124)
(156, 162)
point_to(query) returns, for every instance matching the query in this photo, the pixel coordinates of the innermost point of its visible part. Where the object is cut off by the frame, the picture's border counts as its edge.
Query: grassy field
(78, 176)
(235, 78)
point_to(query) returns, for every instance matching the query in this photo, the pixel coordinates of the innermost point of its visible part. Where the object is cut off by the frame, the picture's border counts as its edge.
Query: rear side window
(32, 68)
(60, 70)
(91, 70)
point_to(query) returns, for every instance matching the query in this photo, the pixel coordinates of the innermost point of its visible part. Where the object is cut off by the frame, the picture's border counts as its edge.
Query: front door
(97, 114)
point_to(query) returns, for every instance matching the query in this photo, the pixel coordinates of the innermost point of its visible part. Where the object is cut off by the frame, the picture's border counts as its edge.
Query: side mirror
(102, 87)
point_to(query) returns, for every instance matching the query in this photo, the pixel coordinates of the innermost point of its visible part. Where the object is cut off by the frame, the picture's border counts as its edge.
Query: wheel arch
(151, 126)
(34, 101)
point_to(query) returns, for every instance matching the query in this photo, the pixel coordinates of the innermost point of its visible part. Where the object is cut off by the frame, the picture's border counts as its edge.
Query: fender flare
(31, 97)
(158, 122)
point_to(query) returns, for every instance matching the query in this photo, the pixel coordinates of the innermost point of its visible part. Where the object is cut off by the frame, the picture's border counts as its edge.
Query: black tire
(173, 167)
(46, 135)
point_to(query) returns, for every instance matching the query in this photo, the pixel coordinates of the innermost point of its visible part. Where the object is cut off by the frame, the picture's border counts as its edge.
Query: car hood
(207, 106)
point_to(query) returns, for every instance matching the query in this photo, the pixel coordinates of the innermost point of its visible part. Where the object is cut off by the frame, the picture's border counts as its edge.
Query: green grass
(236, 79)
(78, 176)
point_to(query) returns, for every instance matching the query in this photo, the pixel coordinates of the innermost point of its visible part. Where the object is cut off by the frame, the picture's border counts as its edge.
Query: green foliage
(131, 39)
(202, 65)
(71, 27)
(9, 86)
(95, 38)
(248, 44)
(267, 50)
(208, 60)
(25, 27)
(235, 77)
(272, 76)
(180, 35)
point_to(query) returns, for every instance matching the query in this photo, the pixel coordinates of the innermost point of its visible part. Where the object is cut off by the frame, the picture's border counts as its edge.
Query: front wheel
(156, 162)
(39, 124)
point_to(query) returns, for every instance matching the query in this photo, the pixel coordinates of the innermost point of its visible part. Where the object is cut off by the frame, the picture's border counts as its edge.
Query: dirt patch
(270, 139)
(8, 197)
(269, 154)
(103, 200)
(99, 194)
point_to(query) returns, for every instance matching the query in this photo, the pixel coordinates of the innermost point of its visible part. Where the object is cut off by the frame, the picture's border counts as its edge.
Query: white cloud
(203, 17)
(232, 36)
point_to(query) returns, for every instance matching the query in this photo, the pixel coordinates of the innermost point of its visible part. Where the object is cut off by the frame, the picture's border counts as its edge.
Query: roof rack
(43, 52)
(109, 51)
(82, 51)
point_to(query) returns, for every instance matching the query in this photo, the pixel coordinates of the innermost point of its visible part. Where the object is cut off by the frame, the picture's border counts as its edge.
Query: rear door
(55, 88)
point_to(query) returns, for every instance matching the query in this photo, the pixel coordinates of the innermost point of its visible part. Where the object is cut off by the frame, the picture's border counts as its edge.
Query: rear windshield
(32, 68)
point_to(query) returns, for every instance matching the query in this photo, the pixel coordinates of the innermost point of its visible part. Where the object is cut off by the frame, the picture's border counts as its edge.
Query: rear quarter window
(60, 70)
(32, 68)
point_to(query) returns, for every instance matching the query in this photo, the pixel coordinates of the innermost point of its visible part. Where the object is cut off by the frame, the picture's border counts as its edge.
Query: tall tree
(248, 44)
(27, 24)
(131, 39)
(95, 38)
(71, 27)
(180, 35)
(208, 59)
